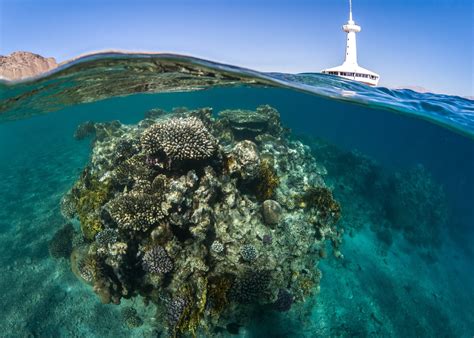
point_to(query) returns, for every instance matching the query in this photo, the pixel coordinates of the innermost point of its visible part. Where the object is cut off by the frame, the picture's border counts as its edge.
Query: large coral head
(179, 139)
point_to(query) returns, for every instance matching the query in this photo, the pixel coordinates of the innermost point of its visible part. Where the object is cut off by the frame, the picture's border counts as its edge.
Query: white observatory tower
(350, 68)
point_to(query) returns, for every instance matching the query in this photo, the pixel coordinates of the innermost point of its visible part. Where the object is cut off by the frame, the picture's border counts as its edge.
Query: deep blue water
(400, 289)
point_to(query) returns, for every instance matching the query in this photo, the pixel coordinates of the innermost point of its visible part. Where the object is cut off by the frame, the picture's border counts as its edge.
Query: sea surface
(406, 271)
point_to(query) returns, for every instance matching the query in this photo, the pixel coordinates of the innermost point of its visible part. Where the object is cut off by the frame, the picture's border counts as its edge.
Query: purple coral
(267, 239)
(157, 261)
(284, 301)
(175, 309)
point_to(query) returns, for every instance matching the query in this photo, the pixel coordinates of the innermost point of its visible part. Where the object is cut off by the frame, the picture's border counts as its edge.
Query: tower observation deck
(350, 69)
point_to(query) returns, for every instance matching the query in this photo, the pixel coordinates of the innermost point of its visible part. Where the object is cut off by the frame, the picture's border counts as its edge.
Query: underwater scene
(157, 195)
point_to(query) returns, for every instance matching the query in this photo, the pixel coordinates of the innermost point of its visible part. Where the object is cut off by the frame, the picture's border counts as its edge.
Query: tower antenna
(350, 10)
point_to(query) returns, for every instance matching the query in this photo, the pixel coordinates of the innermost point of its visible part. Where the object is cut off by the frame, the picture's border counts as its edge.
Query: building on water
(350, 69)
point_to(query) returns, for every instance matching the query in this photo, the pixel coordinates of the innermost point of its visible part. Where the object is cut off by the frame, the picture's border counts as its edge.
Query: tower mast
(351, 44)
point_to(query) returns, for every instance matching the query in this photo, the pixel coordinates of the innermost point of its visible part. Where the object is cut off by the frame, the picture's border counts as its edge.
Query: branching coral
(157, 261)
(136, 211)
(251, 287)
(107, 236)
(133, 169)
(179, 139)
(84, 265)
(217, 247)
(175, 310)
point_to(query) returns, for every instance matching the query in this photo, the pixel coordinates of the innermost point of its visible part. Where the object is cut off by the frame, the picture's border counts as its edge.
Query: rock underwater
(202, 217)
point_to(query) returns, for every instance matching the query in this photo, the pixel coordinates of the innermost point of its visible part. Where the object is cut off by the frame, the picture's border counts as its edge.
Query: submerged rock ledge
(206, 218)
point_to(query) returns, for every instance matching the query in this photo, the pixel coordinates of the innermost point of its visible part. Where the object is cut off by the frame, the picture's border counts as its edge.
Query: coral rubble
(202, 216)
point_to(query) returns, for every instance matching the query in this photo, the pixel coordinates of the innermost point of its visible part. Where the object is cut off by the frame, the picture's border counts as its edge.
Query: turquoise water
(398, 277)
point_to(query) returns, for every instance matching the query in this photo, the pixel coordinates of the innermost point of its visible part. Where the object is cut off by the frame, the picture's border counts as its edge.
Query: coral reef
(175, 309)
(267, 239)
(409, 202)
(417, 206)
(85, 201)
(202, 216)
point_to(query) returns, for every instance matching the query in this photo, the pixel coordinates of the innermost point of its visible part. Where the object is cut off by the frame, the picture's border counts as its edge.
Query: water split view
(159, 195)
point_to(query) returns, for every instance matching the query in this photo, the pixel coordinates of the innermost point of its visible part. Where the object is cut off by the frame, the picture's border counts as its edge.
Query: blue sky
(426, 43)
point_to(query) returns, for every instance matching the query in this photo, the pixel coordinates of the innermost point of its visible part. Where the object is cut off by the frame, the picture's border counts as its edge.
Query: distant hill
(19, 65)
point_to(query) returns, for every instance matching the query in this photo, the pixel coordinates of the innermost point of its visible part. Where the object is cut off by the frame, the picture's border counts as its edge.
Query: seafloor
(385, 284)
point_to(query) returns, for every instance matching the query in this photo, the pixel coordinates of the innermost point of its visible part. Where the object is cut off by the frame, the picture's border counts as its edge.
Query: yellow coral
(306, 286)
(92, 194)
(218, 289)
(322, 199)
(267, 181)
(194, 311)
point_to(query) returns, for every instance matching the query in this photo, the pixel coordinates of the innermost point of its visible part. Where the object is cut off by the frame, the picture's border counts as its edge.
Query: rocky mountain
(19, 65)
